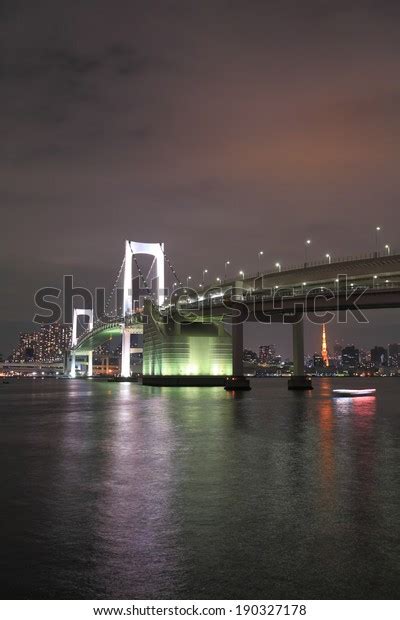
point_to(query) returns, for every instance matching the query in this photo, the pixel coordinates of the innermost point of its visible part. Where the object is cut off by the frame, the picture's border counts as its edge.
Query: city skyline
(50, 343)
(362, 336)
(302, 155)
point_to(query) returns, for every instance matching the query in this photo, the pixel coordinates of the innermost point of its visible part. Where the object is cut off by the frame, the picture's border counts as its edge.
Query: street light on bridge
(218, 280)
(278, 266)
(241, 273)
(259, 260)
(227, 262)
(377, 231)
(204, 273)
(387, 248)
(328, 256)
(306, 246)
(187, 280)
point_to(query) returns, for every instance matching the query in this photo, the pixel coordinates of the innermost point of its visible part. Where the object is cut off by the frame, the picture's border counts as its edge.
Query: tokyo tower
(324, 349)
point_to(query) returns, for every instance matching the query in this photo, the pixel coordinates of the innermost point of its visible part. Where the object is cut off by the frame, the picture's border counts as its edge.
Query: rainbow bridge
(186, 339)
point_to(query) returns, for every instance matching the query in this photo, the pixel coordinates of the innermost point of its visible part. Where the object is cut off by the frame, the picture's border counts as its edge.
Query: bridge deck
(384, 266)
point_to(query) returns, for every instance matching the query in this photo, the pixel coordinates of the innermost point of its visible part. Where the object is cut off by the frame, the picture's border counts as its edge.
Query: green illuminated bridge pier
(196, 337)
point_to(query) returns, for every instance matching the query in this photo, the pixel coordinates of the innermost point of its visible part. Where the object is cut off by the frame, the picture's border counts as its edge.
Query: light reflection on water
(126, 491)
(360, 405)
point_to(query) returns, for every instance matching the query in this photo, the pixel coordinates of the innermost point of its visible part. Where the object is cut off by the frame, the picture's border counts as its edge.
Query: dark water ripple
(123, 491)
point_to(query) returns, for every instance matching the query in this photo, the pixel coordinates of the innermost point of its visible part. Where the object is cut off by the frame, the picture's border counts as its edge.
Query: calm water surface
(124, 491)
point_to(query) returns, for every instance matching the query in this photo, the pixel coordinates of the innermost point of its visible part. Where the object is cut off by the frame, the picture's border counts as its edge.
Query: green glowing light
(195, 349)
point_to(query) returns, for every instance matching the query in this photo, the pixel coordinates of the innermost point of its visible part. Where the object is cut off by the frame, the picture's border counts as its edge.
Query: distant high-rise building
(54, 341)
(337, 351)
(394, 355)
(365, 357)
(324, 348)
(266, 353)
(379, 357)
(28, 347)
(318, 362)
(249, 356)
(350, 358)
(46, 345)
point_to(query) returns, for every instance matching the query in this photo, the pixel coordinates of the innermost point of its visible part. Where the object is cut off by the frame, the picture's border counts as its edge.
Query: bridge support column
(72, 372)
(126, 354)
(299, 380)
(237, 350)
(237, 381)
(90, 365)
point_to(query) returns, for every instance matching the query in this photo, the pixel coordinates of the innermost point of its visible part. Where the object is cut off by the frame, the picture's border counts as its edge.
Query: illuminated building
(54, 341)
(249, 356)
(266, 353)
(318, 362)
(337, 352)
(350, 358)
(379, 357)
(46, 345)
(394, 355)
(28, 348)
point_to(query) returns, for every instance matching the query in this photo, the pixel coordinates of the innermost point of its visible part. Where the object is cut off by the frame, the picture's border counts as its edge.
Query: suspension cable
(115, 286)
(144, 279)
(98, 321)
(151, 267)
(171, 266)
(149, 291)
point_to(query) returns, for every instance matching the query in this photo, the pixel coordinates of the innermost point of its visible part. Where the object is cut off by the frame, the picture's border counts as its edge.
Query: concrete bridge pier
(299, 380)
(237, 381)
(126, 354)
(72, 371)
(90, 364)
(237, 350)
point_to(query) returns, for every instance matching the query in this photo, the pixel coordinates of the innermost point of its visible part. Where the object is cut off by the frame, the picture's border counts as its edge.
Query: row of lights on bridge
(303, 283)
(278, 265)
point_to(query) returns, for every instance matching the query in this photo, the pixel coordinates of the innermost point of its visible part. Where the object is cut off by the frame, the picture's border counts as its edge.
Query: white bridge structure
(128, 323)
(195, 348)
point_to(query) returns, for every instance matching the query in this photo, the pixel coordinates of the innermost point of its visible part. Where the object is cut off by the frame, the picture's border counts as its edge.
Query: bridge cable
(171, 266)
(151, 267)
(98, 322)
(141, 274)
(114, 287)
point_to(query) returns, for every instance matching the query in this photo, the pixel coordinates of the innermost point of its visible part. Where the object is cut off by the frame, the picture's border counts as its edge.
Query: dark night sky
(219, 127)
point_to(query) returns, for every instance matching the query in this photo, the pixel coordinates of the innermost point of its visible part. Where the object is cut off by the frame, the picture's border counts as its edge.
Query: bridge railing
(98, 326)
(321, 263)
(112, 321)
(298, 291)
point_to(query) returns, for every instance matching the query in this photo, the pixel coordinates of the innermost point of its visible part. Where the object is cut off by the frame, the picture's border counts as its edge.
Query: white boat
(350, 393)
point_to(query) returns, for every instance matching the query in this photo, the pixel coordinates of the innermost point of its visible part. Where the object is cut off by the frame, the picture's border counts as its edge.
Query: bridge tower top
(153, 249)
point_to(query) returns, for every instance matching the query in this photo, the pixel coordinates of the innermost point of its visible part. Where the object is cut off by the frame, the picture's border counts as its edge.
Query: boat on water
(351, 393)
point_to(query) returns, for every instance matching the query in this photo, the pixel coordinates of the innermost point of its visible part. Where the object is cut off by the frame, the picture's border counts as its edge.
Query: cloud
(216, 126)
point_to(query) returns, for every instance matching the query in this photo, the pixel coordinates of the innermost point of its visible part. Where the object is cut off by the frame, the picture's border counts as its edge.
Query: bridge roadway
(372, 283)
(318, 291)
(365, 268)
(90, 340)
(281, 293)
(286, 307)
(365, 283)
